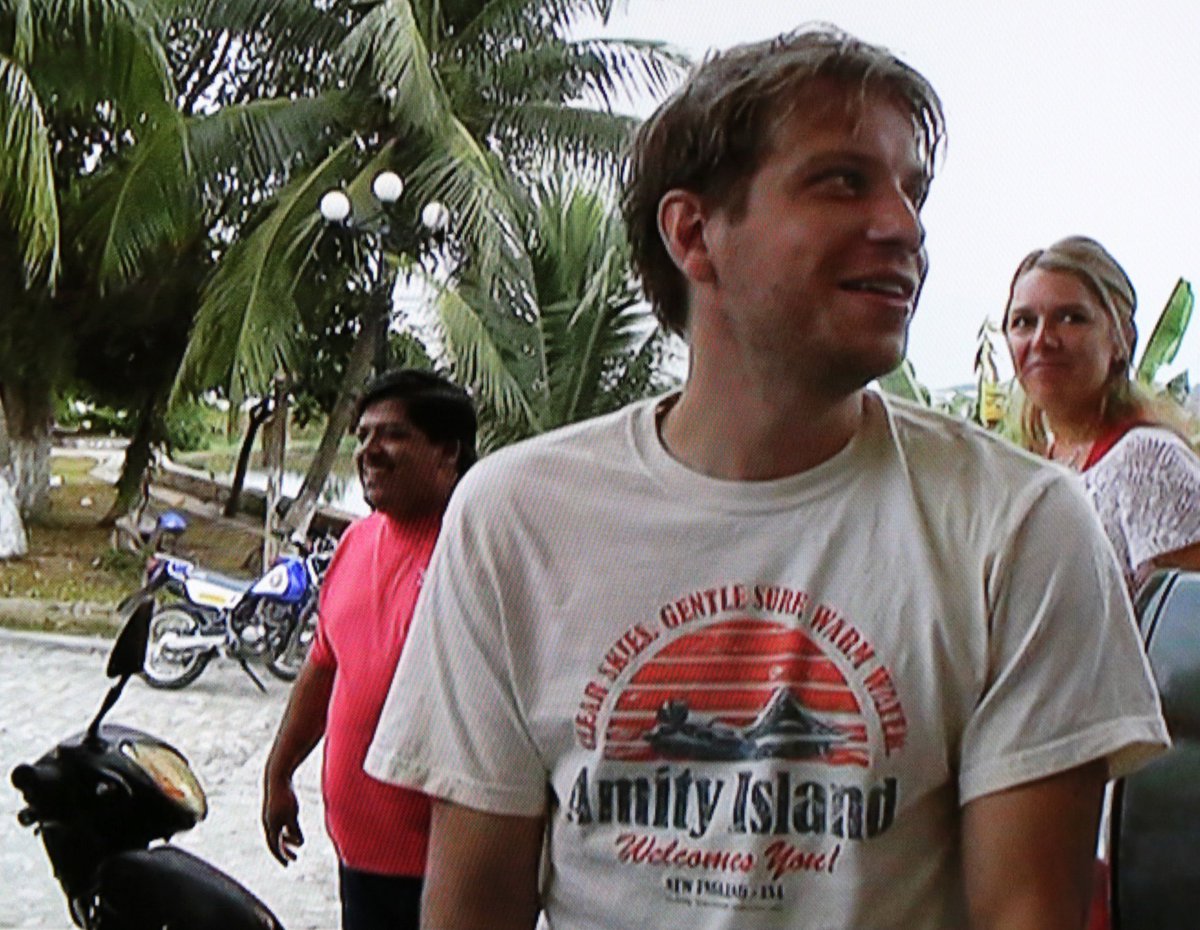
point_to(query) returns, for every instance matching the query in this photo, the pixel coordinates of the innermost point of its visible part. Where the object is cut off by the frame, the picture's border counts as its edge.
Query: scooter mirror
(129, 651)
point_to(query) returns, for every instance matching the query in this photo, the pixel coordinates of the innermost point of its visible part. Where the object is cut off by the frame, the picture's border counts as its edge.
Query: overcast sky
(1063, 116)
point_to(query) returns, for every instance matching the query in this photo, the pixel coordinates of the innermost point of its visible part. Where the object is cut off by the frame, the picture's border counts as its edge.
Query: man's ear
(681, 219)
(449, 455)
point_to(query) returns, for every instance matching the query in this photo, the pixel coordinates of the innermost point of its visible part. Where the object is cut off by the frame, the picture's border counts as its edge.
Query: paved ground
(51, 686)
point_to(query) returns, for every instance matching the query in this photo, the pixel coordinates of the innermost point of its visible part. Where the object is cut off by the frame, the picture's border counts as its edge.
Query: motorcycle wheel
(285, 657)
(171, 670)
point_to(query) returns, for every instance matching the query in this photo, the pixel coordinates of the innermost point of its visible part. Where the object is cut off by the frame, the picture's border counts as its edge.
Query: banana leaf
(902, 382)
(1164, 342)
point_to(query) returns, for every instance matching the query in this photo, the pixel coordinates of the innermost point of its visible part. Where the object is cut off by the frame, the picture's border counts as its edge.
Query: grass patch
(71, 559)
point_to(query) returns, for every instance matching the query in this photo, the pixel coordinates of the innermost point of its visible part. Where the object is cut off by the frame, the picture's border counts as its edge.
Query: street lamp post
(337, 209)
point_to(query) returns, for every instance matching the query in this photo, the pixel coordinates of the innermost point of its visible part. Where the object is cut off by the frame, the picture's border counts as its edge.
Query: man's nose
(897, 219)
(367, 443)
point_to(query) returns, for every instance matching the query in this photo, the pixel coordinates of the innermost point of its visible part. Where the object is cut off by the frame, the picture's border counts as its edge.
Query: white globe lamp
(435, 216)
(387, 187)
(335, 206)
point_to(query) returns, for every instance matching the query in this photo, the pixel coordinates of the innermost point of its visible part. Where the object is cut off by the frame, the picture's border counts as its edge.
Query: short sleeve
(1159, 495)
(452, 726)
(1067, 680)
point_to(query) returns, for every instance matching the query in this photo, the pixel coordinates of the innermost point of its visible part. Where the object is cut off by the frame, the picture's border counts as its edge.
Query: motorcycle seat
(217, 580)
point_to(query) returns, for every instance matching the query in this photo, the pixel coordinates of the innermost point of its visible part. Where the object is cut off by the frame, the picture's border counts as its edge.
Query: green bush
(75, 413)
(191, 426)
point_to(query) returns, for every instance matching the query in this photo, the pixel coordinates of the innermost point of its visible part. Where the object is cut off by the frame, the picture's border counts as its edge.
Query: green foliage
(26, 174)
(585, 346)
(76, 414)
(191, 426)
(92, 68)
(463, 100)
(120, 562)
(902, 382)
(1164, 342)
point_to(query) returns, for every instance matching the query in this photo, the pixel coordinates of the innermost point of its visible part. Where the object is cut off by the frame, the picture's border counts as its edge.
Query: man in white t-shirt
(774, 651)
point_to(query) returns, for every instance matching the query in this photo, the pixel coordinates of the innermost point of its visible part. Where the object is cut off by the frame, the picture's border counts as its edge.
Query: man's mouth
(893, 285)
(369, 471)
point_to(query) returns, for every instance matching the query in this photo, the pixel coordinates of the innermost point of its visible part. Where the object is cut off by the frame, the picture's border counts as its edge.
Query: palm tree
(462, 99)
(591, 346)
(469, 102)
(79, 79)
(111, 136)
(201, 127)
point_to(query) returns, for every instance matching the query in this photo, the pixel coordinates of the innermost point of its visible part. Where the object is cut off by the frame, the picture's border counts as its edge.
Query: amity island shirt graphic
(732, 742)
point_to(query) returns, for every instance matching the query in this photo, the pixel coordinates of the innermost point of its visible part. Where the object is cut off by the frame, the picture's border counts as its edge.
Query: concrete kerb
(60, 640)
(39, 615)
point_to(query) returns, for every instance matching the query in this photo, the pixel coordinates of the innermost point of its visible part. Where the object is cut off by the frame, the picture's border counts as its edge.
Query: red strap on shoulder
(1109, 439)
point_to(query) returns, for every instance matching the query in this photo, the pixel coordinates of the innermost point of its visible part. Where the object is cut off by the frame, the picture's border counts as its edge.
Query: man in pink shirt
(416, 437)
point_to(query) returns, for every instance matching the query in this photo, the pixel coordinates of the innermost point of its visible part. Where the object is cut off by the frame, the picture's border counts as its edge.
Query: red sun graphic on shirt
(738, 689)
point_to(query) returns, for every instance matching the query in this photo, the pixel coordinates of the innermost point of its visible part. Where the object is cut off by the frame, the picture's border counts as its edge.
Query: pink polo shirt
(366, 607)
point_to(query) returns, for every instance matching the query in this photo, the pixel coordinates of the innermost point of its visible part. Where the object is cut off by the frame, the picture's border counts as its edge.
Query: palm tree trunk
(28, 415)
(131, 485)
(274, 455)
(358, 367)
(258, 413)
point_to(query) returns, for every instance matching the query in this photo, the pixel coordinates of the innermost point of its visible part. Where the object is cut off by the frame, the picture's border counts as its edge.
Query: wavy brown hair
(712, 134)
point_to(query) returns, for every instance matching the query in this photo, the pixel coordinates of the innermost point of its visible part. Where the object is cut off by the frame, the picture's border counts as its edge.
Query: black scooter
(100, 798)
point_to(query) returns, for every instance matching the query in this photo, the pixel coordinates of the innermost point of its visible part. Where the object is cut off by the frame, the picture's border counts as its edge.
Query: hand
(281, 821)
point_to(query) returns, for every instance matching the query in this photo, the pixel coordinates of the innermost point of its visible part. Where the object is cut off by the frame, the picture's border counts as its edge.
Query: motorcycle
(101, 798)
(272, 618)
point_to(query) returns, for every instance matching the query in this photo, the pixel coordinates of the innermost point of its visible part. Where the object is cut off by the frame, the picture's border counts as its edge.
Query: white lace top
(1147, 492)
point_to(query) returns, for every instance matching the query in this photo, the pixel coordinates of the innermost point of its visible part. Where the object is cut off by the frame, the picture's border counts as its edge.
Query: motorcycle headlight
(171, 773)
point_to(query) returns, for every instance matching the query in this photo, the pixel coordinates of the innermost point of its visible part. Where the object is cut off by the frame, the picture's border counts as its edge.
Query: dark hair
(711, 135)
(436, 406)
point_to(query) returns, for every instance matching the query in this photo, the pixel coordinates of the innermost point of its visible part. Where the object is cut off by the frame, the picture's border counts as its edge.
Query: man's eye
(843, 180)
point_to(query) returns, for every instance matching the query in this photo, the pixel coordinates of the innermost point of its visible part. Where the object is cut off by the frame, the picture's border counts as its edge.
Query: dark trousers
(379, 902)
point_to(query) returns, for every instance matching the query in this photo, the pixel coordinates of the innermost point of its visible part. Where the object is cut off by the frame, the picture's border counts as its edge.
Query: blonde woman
(1070, 329)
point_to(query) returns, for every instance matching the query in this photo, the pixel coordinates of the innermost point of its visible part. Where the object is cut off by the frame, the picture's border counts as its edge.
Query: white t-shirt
(761, 704)
(1147, 492)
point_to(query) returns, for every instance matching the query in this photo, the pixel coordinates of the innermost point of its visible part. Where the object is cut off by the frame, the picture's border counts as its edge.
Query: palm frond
(628, 67)
(526, 19)
(302, 22)
(561, 71)
(114, 44)
(27, 195)
(139, 206)
(472, 183)
(481, 360)
(21, 14)
(387, 45)
(564, 138)
(598, 339)
(267, 140)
